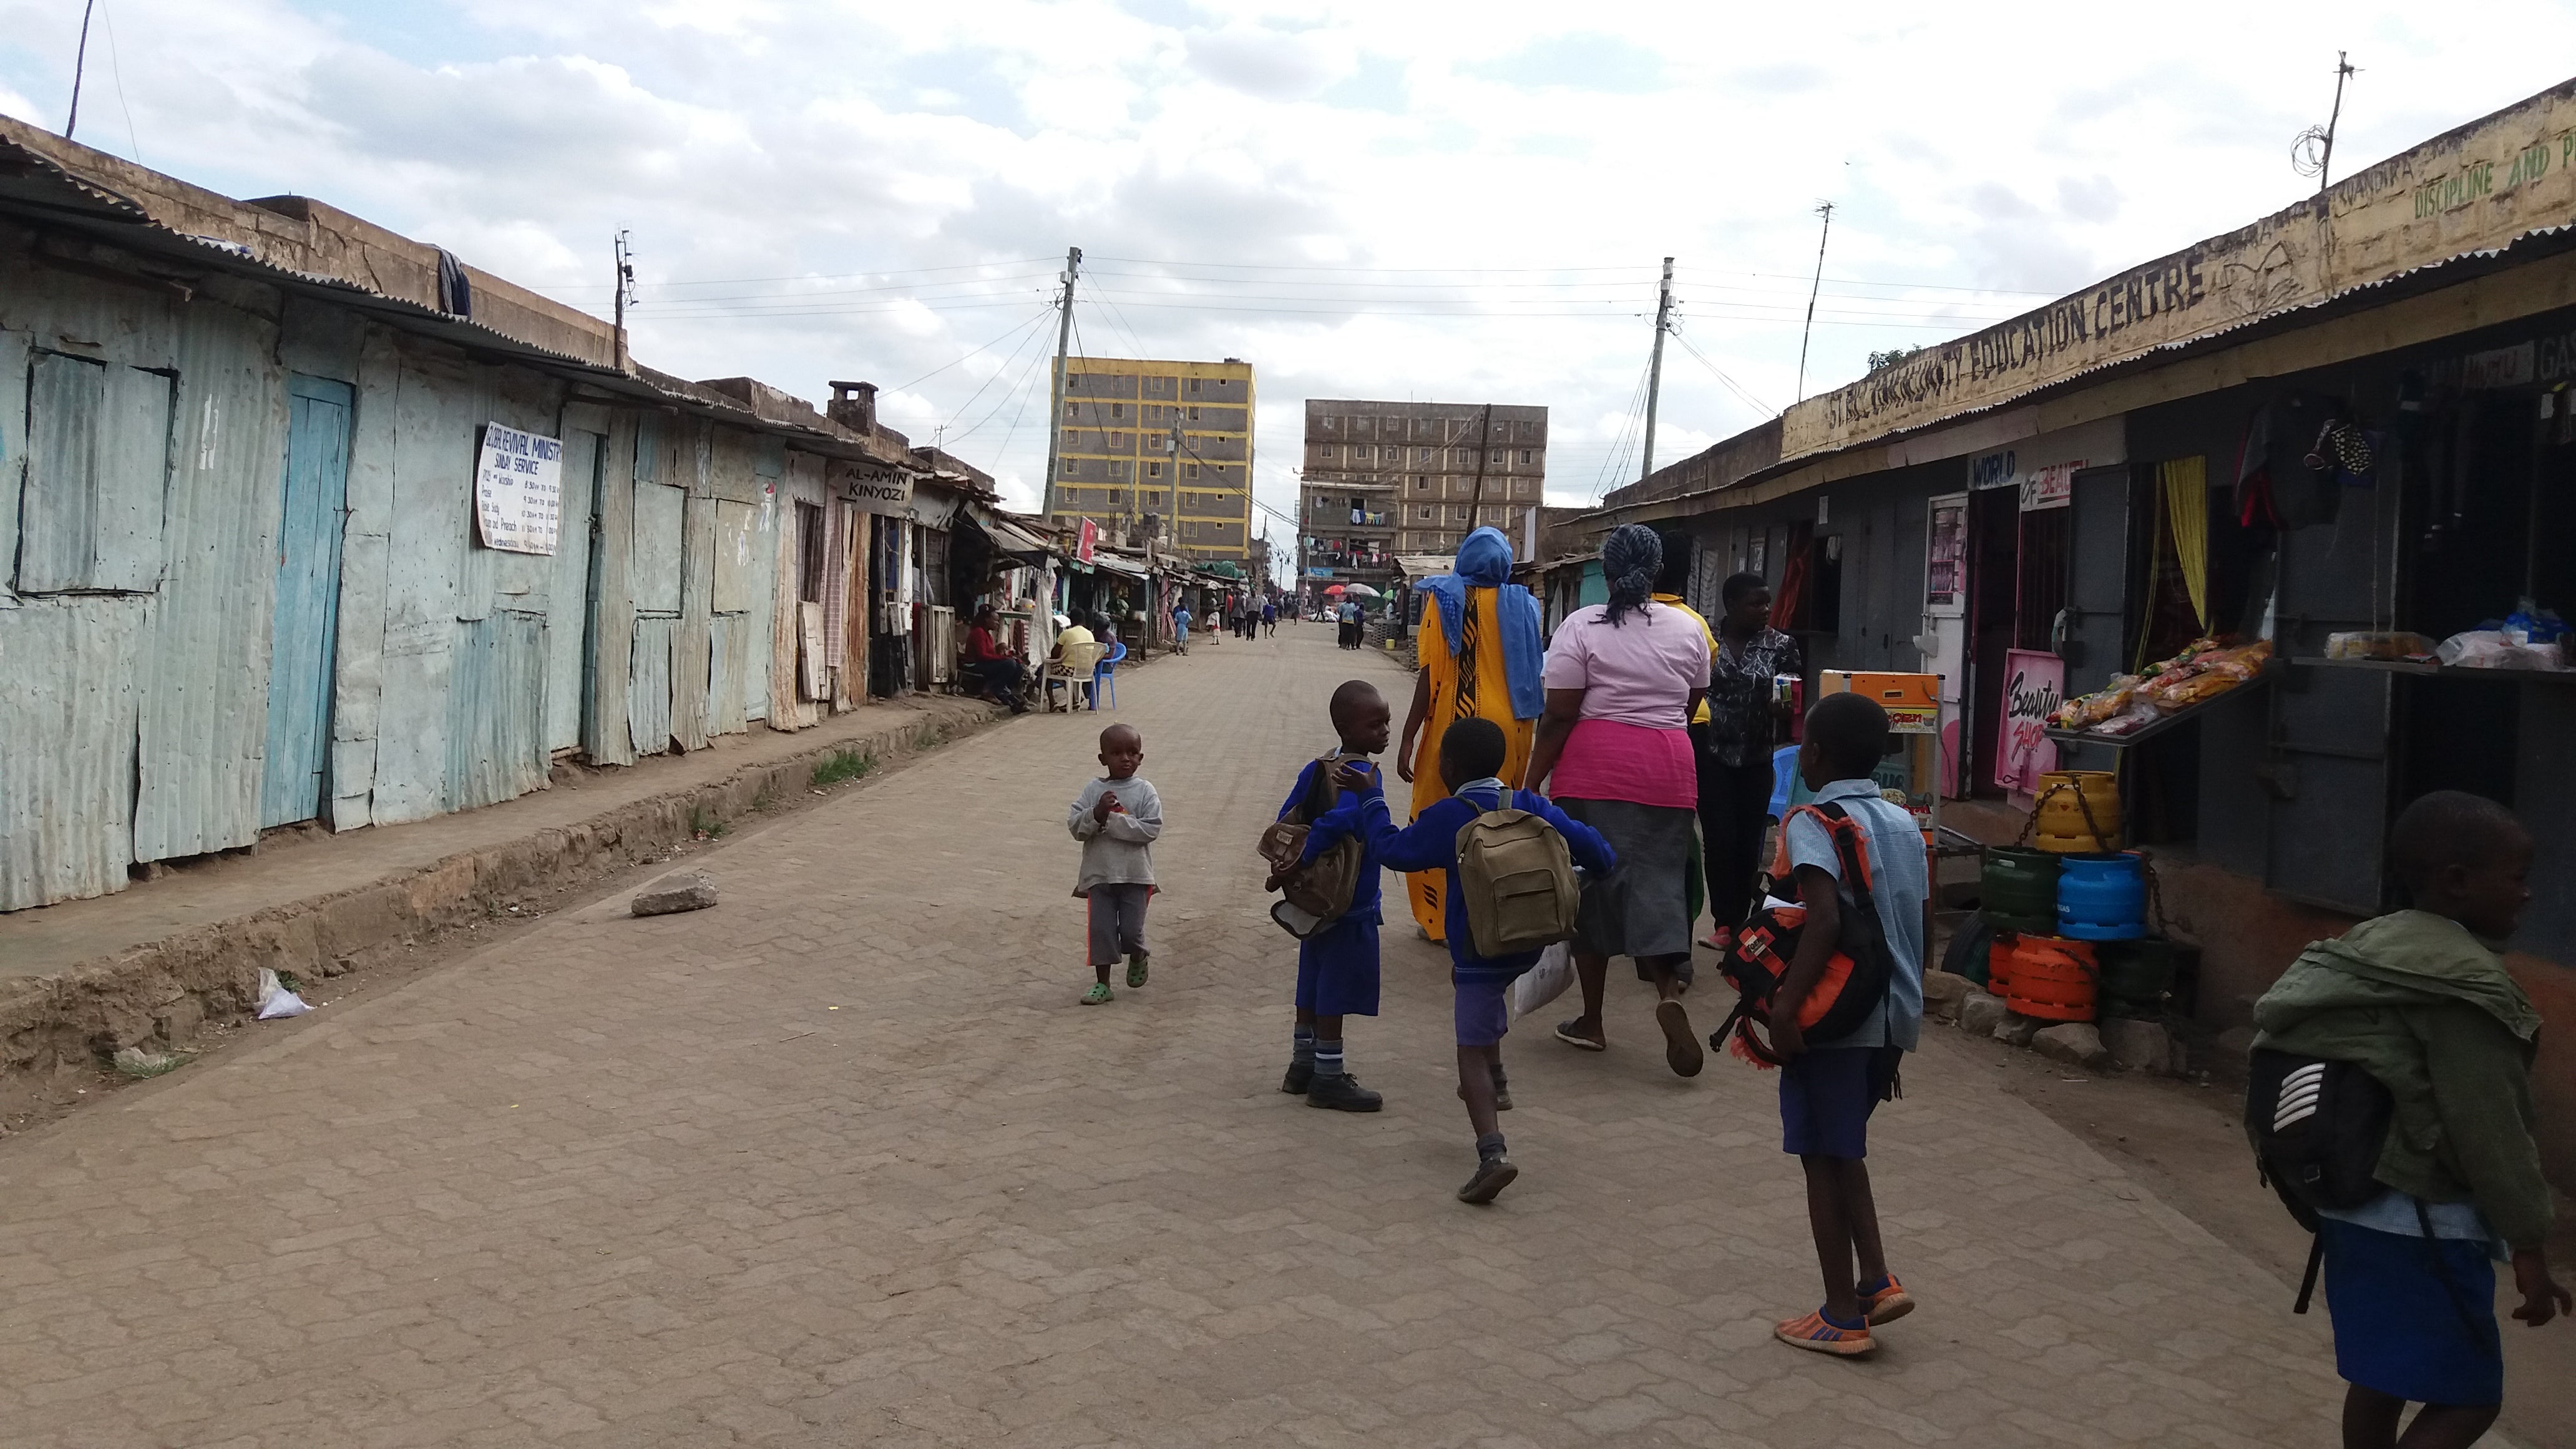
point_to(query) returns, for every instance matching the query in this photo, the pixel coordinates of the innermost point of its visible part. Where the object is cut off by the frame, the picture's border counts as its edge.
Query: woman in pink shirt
(1614, 752)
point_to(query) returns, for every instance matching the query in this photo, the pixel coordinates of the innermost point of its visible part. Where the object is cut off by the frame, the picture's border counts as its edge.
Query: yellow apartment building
(1115, 461)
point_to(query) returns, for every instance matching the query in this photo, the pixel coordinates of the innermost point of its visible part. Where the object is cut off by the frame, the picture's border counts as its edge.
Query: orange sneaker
(1815, 1334)
(1888, 1304)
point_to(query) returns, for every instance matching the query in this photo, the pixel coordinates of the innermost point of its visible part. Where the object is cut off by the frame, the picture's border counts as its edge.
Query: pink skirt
(1607, 760)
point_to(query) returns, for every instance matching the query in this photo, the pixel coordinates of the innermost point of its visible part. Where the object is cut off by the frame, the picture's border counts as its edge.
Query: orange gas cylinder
(2050, 978)
(1999, 959)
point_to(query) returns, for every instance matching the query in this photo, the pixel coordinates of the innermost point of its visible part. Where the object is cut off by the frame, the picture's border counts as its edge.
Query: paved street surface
(840, 1162)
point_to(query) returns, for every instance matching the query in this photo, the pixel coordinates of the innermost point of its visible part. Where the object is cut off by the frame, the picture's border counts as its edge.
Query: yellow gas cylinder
(2078, 812)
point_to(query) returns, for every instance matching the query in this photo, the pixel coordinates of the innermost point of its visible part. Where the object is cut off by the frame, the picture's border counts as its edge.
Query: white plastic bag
(1543, 982)
(275, 1000)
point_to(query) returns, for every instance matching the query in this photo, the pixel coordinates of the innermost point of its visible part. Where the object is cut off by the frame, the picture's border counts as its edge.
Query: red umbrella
(1335, 589)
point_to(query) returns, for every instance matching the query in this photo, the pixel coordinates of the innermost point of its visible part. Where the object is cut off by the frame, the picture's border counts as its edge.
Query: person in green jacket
(2425, 1008)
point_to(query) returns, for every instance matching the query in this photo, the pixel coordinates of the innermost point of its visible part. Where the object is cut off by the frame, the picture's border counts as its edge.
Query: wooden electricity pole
(1484, 446)
(1824, 209)
(1655, 372)
(1055, 405)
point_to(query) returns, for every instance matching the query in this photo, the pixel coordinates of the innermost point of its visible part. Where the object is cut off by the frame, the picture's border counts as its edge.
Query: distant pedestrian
(1828, 1089)
(1337, 967)
(1349, 614)
(1117, 819)
(2419, 1002)
(1472, 757)
(1270, 618)
(1181, 628)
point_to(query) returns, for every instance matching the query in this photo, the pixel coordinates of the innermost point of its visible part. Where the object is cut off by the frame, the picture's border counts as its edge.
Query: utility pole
(1484, 450)
(1055, 406)
(625, 285)
(1655, 372)
(1824, 209)
(2325, 162)
(80, 63)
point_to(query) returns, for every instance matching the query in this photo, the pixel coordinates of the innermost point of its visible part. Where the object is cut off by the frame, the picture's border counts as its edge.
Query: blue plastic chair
(1784, 780)
(1104, 675)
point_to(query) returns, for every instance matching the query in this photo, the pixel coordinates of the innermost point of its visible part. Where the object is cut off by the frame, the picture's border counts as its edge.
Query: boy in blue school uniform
(1337, 967)
(1828, 1089)
(1471, 758)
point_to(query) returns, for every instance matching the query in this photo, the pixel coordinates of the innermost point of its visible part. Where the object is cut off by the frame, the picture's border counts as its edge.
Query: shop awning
(1108, 562)
(1012, 541)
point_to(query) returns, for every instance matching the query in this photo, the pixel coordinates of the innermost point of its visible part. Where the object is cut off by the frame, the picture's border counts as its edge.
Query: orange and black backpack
(1856, 976)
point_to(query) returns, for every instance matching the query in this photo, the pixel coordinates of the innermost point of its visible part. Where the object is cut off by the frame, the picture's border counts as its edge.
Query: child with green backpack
(1510, 856)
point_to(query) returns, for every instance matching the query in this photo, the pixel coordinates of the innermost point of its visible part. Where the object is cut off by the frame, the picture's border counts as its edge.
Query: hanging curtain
(2185, 482)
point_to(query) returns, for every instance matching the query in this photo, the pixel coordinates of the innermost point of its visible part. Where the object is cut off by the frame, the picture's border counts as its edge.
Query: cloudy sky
(1376, 199)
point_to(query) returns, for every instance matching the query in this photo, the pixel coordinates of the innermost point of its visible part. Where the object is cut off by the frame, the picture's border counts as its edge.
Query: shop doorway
(1994, 581)
(1945, 622)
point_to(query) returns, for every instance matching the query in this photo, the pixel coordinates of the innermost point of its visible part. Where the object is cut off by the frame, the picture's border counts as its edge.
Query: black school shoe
(1342, 1094)
(1493, 1174)
(1300, 1076)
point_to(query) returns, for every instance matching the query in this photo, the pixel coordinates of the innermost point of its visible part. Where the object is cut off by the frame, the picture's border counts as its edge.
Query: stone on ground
(1981, 1013)
(2073, 1042)
(690, 891)
(2138, 1046)
(1943, 991)
(2015, 1029)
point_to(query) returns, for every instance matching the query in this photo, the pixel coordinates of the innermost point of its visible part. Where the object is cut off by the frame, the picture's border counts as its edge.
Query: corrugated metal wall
(140, 599)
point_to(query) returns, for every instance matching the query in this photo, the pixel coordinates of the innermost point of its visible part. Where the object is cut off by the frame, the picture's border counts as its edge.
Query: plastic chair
(1073, 670)
(1104, 675)
(1784, 779)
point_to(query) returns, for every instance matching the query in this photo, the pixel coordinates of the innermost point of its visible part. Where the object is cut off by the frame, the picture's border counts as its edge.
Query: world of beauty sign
(518, 489)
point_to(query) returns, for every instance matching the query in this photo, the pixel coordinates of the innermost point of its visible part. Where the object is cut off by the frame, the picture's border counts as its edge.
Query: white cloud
(793, 174)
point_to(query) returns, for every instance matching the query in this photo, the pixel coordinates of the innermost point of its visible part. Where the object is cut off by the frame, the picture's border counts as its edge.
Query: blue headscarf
(1485, 562)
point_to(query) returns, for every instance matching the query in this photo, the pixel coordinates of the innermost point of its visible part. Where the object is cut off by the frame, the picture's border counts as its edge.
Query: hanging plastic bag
(275, 1000)
(1543, 982)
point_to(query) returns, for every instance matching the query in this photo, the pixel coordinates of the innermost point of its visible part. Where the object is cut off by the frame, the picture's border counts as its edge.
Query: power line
(1720, 374)
(1042, 313)
(808, 276)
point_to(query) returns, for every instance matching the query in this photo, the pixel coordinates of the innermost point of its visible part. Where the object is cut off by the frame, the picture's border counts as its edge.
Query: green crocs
(1098, 995)
(1136, 970)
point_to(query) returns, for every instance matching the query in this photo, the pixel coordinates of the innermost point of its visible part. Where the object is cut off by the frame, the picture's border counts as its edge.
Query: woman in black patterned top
(1735, 748)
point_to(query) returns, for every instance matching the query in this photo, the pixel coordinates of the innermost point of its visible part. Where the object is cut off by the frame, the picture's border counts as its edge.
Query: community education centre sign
(2479, 187)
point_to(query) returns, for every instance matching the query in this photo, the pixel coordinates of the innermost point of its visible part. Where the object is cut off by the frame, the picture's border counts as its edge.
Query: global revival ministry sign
(518, 489)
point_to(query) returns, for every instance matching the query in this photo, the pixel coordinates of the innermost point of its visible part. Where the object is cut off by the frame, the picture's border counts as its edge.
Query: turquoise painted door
(306, 617)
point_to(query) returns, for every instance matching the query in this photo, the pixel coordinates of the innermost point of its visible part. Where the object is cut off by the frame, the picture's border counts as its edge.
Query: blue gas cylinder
(2102, 897)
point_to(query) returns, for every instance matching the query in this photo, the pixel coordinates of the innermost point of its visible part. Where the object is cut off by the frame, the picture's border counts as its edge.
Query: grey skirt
(1642, 909)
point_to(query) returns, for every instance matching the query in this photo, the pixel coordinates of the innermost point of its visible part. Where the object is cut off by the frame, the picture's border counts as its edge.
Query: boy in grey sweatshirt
(1117, 818)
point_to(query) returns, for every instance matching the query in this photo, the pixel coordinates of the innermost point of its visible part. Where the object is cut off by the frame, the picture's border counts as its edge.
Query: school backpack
(1515, 882)
(2317, 1126)
(1856, 975)
(1318, 893)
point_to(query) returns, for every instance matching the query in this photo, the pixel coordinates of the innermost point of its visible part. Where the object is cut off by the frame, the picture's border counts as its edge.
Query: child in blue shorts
(1337, 967)
(1828, 1089)
(1471, 755)
(2418, 1001)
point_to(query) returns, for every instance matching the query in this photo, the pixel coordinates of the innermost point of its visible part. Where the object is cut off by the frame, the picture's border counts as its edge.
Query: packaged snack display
(2202, 671)
(2370, 644)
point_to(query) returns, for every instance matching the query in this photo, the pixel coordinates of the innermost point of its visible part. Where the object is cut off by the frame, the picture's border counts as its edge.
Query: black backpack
(2317, 1126)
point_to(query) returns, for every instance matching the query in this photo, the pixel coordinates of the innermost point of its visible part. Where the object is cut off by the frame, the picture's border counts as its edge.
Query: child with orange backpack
(1855, 978)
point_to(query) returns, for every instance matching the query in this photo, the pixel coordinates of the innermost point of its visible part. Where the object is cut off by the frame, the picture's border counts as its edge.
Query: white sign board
(518, 489)
(2044, 468)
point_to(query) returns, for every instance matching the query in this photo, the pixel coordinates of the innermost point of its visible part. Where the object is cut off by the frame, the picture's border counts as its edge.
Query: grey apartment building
(1385, 480)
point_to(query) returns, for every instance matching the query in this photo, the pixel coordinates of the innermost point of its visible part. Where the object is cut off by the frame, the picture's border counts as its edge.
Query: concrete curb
(163, 991)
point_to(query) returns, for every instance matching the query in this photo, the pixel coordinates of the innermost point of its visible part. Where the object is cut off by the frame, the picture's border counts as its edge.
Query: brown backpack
(1515, 882)
(1317, 894)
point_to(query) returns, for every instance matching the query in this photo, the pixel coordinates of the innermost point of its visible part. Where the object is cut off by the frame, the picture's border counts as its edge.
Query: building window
(1117, 442)
(1427, 511)
(1194, 384)
(1421, 485)
(1118, 410)
(1153, 470)
(1525, 455)
(1189, 470)
(1072, 438)
(1118, 469)
(1073, 410)
(1067, 467)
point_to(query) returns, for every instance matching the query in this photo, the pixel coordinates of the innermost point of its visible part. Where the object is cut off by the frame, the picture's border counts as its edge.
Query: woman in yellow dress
(1480, 658)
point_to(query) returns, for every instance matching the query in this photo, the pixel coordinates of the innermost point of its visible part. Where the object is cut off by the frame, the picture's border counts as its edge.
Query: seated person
(992, 669)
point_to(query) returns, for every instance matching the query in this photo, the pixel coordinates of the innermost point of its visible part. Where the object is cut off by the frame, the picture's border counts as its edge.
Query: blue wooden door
(308, 600)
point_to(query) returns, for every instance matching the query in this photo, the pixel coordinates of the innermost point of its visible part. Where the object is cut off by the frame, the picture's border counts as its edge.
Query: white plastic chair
(1074, 670)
